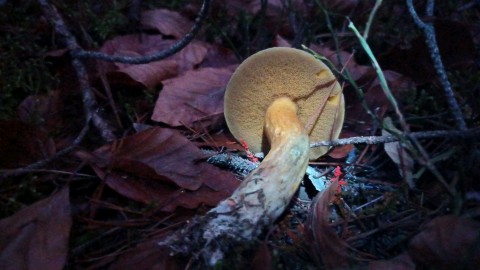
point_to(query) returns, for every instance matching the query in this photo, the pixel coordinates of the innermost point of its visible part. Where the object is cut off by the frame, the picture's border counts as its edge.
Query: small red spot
(338, 176)
(250, 155)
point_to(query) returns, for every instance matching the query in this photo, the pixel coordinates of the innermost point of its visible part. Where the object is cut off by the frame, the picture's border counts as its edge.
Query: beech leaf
(167, 22)
(22, 144)
(36, 237)
(160, 165)
(327, 247)
(150, 74)
(398, 154)
(194, 99)
(448, 242)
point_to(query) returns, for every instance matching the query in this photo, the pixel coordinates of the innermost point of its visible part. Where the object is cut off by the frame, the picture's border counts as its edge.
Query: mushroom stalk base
(262, 196)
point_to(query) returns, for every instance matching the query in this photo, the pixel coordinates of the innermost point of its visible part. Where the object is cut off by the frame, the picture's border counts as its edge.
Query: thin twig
(244, 166)
(89, 103)
(430, 39)
(232, 161)
(451, 134)
(42, 163)
(368, 26)
(381, 76)
(178, 46)
(419, 153)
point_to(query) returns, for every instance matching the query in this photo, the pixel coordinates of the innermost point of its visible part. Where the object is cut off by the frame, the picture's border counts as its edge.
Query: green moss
(23, 69)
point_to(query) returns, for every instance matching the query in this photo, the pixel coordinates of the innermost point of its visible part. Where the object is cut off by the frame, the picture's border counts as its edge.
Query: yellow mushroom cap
(284, 72)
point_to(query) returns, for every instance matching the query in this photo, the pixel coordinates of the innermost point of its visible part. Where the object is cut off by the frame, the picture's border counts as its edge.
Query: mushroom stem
(262, 196)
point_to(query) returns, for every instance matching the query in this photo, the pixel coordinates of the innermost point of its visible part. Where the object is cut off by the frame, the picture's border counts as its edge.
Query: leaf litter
(375, 226)
(37, 236)
(161, 166)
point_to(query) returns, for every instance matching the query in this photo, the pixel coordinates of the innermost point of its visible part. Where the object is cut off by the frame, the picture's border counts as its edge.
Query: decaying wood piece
(261, 198)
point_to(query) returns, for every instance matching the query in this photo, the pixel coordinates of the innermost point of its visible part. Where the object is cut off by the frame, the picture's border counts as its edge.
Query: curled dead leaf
(161, 166)
(455, 43)
(327, 247)
(347, 61)
(400, 262)
(37, 236)
(194, 99)
(41, 109)
(447, 242)
(397, 151)
(22, 144)
(167, 22)
(149, 74)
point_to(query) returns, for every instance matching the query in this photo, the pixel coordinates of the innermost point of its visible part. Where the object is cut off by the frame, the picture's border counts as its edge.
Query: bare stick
(42, 163)
(243, 166)
(178, 46)
(380, 75)
(418, 151)
(89, 103)
(368, 26)
(452, 134)
(430, 39)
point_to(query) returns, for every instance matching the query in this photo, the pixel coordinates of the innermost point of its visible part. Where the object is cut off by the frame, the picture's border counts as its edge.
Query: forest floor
(113, 134)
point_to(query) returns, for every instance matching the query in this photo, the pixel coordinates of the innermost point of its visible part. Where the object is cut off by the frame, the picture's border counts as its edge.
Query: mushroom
(284, 72)
(268, 95)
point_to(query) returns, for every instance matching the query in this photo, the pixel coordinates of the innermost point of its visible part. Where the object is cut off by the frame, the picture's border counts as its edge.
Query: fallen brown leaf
(342, 151)
(397, 151)
(150, 74)
(347, 61)
(262, 260)
(41, 109)
(194, 99)
(375, 98)
(159, 165)
(327, 248)
(37, 236)
(145, 256)
(167, 22)
(219, 56)
(456, 47)
(447, 242)
(400, 262)
(22, 144)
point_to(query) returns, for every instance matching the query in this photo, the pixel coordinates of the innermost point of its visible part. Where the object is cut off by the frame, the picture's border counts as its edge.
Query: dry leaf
(167, 22)
(37, 236)
(262, 259)
(399, 155)
(22, 144)
(159, 165)
(328, 249)
(281, 42)
(219, 56)
(149, 74)
(147, 256)
(347, 61)
(342, 151)
(375, 98)
(447, 242)
(456, 47)
(41, 109)
(400, 262)
(194, 99)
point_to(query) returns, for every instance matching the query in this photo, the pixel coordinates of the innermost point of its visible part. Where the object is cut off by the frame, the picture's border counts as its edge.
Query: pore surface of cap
(283, 72)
